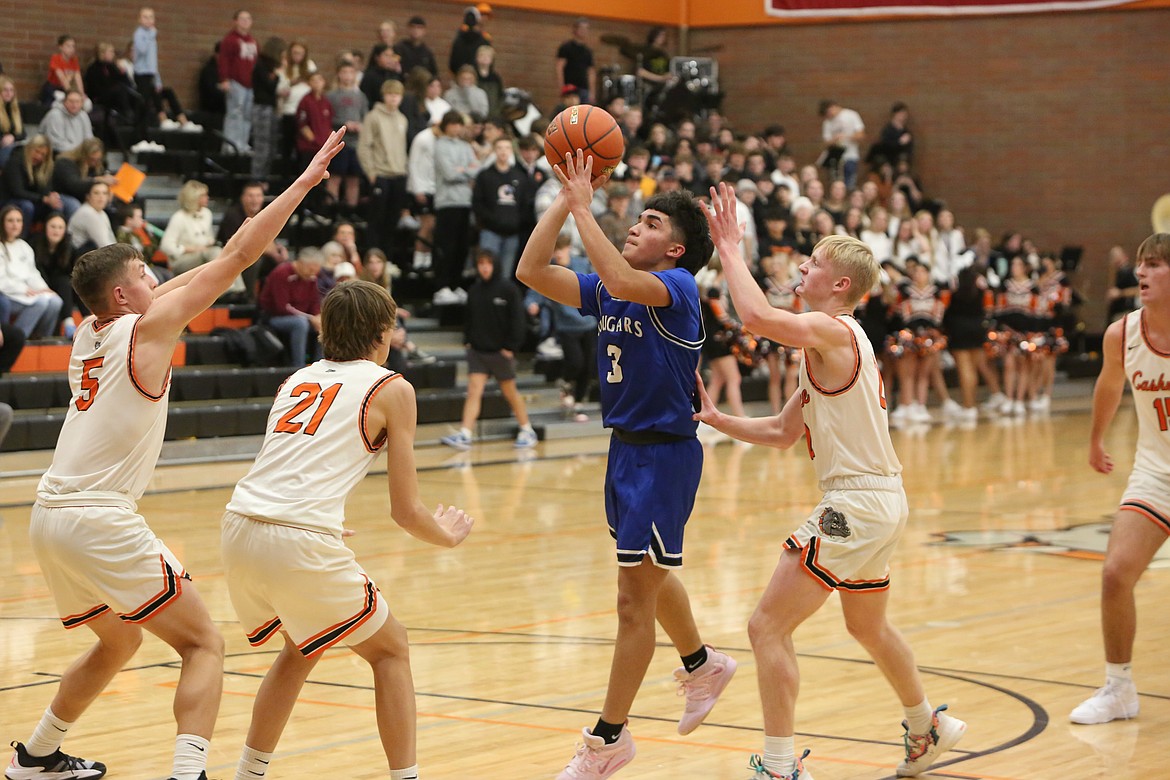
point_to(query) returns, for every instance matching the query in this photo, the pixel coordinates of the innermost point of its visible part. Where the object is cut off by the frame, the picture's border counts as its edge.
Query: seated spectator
(464, 96)
(11, 124)
(67, 125)
(617, 221)
(27, 184)
(188, 240)
(35, 308)
(64, 71)
(332, 260)
(11, 345)
(76, 170)
(54, 256)
(877, 236)
(291, 305)
(249, 205)
(133, 229)
(90, 225)
(345, 235)
(111, 89)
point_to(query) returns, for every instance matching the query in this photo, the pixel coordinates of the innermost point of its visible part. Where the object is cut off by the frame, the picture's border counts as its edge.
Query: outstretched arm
(534, 269)
(781, 430)
(619, 278)
(1107, 395)
(814, 330)
(394, 411)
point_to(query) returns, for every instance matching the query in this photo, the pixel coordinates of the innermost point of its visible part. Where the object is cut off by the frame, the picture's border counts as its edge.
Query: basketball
(589, 128)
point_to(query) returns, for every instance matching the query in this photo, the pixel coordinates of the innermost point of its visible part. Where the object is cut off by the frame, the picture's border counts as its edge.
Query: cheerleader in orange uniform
(1055, 304)
(921, 304)
(1015, 315)
(780, 289)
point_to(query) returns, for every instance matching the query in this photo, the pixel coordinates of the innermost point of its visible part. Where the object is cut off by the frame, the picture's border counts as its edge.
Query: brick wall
(1054, 125)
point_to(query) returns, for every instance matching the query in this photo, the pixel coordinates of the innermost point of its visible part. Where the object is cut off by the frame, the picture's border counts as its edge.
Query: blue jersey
(647, 356)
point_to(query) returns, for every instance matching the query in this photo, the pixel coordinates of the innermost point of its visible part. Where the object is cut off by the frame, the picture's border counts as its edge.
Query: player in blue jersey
(649, 334)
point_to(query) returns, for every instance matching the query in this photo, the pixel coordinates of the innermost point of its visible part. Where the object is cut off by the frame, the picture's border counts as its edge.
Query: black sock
(696, 659)
(607, 731)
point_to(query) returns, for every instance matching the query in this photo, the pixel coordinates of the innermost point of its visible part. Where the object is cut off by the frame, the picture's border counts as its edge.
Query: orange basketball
(589, 128)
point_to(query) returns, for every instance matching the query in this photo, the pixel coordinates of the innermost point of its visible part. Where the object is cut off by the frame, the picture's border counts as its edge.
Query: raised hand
(722, 217)
(455, 522)
(707, 411)
(318, 169)
(577, 178)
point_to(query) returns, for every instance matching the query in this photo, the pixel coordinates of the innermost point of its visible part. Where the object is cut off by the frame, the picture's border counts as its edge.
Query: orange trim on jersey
(1148, 512)
(1146, 336)
(134, 378)
(80, 619)
(323, 640)
(810, 562)
(98, 325)
(264, 632)
(1124, 351)
(373, 446)
(856, 367)
(172, 589)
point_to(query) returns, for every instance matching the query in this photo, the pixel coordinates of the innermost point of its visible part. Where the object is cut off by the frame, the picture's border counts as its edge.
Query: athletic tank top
(847, 429)
(1149, 376)
(315, 449)
(113, 431)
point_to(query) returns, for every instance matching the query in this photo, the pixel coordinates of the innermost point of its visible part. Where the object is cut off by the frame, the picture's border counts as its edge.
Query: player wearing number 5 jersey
(1136, 349)
(105, 567)
(846, 542)
(649, 335)
(288, 570)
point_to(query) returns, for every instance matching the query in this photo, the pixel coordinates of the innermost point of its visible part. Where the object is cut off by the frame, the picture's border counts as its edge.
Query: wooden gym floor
(995, 586)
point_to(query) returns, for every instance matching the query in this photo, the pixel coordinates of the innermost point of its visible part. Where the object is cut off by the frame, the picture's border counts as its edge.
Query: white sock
(190, 757)
(410, 773)
(528, 428)
(920, 717)
(465, 432)
(1119, 673)
(48, 735)
(780, 754)
(253, 764)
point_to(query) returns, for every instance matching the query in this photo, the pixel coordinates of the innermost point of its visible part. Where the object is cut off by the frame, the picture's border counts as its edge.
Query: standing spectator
(464, 96)
(64, 71)
(54, 255)
(382, 153)
(469, 37)
(387, 36)
(291, 304)
(617, 221)
(90, 225)
(896, 142)
(160, 101)
(292, 86)
(349, 110)
(574, 64)
(36, 308)
(211, 98)
(1124, 288)
(488, 79)
(314, 119)
(28, 181)
(66, 124)
(455, 170)
(576, 333)
(420, 184)
(493, 333)
(11, 123)
(265, 89)
(189, 241)
(412, 51)
(75, 171)
(498, 200)
(384, 66)
(237, 59)
(842, 131)
(435, 106)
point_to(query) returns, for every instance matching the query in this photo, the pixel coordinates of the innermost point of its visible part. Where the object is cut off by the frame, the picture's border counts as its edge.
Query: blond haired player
(288, 570)
(846, 543)
(1136, 349)
(105, 568)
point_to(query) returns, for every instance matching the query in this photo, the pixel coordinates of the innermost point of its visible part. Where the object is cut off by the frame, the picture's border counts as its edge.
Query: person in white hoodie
(23, 291)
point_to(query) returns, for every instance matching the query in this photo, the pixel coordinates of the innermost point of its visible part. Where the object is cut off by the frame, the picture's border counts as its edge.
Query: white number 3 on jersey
(615, 354)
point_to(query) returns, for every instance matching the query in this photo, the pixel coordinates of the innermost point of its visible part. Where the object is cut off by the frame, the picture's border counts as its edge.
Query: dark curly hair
(689, 226)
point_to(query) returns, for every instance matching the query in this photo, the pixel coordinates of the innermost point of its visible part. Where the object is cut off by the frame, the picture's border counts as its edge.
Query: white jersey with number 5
(113, 431)
(1149, 376)
(315, 449)
(846, 427)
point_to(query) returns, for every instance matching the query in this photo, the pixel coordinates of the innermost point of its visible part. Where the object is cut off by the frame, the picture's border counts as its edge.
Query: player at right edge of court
(845, 544)
(1136, 348)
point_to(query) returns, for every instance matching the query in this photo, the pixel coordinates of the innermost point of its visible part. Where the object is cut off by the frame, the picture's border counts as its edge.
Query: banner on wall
(855, 8)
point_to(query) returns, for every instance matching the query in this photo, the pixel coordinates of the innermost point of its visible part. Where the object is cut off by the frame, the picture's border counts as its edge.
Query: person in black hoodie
(493, 332)
(498, 200)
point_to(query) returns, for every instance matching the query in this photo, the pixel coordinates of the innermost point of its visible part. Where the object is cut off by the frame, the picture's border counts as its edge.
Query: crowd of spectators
(438, 169)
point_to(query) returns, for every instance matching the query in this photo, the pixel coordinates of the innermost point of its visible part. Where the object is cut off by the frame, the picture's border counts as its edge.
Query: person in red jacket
(236, 59)
(291, 304)
(314, 118)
